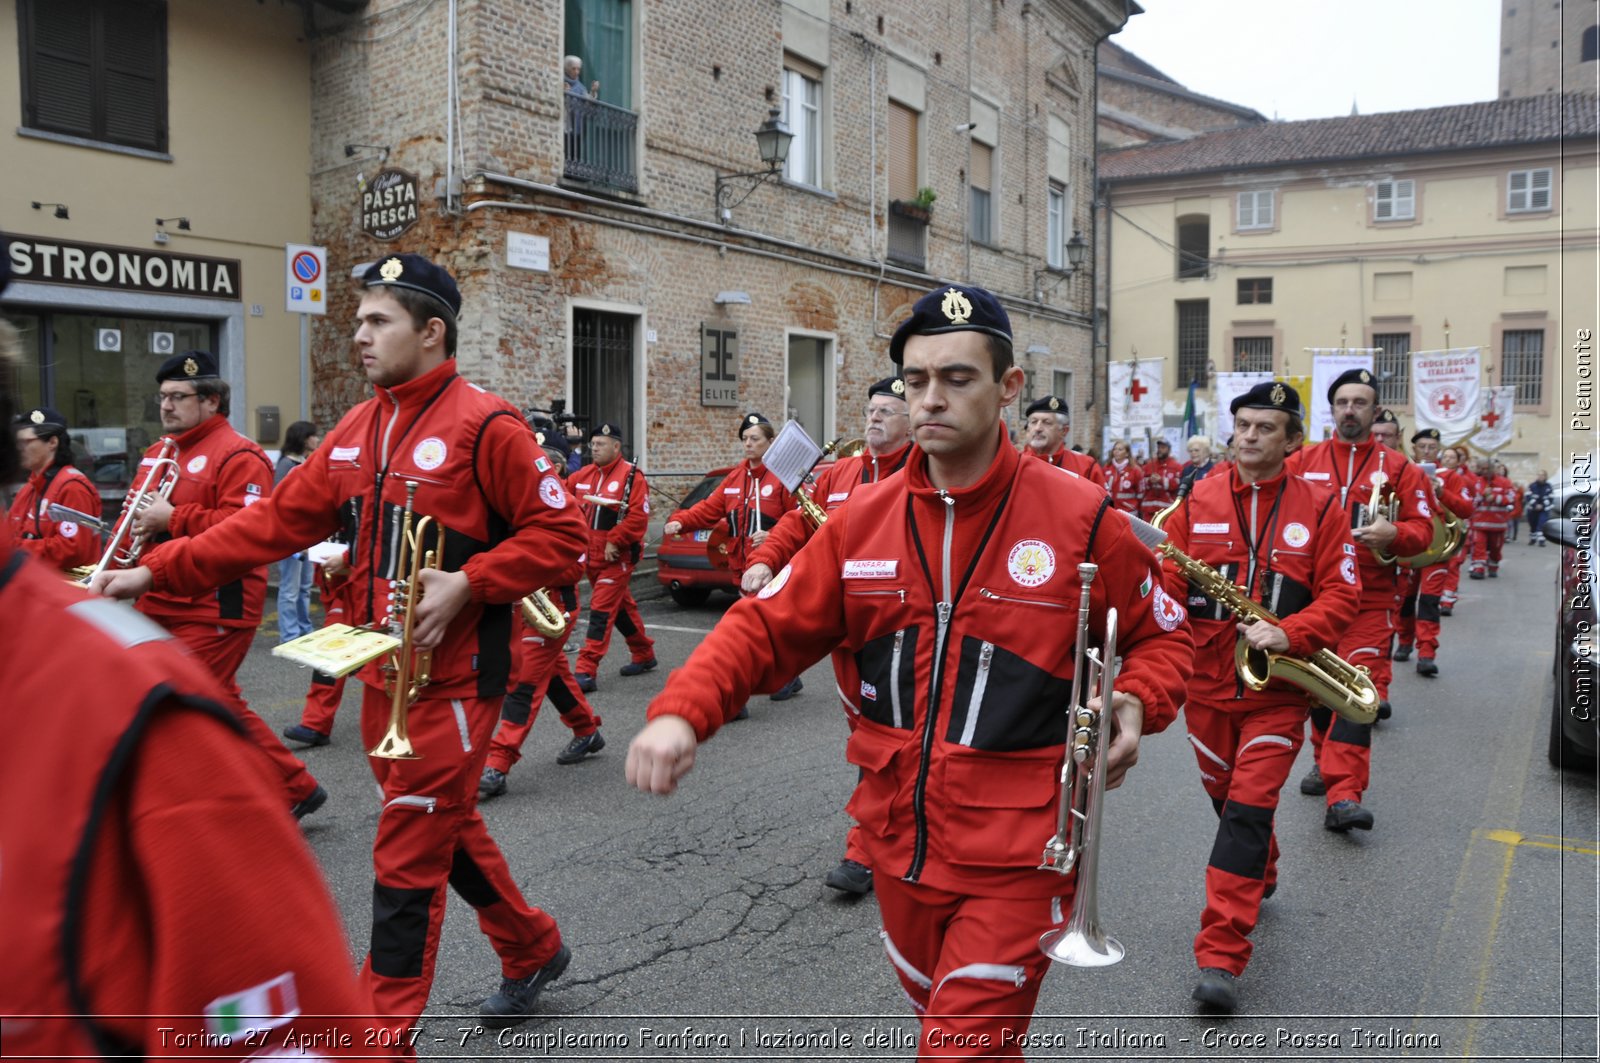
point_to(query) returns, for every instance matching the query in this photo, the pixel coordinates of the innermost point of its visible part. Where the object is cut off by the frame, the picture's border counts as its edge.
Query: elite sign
(306, 279)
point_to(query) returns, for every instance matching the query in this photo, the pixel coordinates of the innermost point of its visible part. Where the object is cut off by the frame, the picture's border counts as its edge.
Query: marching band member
(1354, 464)
(220, 473)
(1419, 612)
(1046, 428)
(1124, 479)
(1386, 429)
(1162, 475)
(1493, 503)
(888, 439)
(510, 527)
(45, 452)
(615, 499)
(1456, 478)
(960, 563)
(1286, 543)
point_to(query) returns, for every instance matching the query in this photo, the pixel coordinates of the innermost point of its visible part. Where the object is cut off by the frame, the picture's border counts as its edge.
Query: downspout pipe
(1098, 197)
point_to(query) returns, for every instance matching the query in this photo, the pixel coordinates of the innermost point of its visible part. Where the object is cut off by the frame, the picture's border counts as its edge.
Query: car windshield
(701, 490)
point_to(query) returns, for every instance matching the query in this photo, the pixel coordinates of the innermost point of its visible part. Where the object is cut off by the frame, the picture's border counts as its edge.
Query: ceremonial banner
(1327, 363)
(1444, 389)
(1227, 387)
(1494, 419)
(1135, 394)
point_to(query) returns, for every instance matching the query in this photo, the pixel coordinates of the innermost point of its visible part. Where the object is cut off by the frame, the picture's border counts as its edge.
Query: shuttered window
(980, 178)
(96, 69)
(1528, 190)
(902, 152)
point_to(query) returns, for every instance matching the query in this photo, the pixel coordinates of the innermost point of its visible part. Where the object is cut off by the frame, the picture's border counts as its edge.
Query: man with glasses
(1046, 435)
(220, 472)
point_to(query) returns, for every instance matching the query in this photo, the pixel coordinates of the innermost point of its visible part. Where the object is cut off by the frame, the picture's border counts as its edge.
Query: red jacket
(1303, 569)
(833, 489)
(958, 608)
(1456, 488)
(220, 473)
(1493, 503)
(65, 544)
(1067, 458)
(1160, 485)
(153, 893)
(1349, 470)
(512, 526)
(1126, 485)
(748, 500)
(626, 522)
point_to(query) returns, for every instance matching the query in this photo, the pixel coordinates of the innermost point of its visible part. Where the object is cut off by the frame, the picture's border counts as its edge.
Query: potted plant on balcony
(920, 208)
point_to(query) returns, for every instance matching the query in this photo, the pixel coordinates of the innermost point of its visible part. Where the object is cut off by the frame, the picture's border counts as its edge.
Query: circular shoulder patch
(613, 485)
(68, 529)
(1031, 562)
(1168, 613)
(1296, 535)
(776, 585)
(429, 454)
(1347, 569)
(197, 463)
(551, 493)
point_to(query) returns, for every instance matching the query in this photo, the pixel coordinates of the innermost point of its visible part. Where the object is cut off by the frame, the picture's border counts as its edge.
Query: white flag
(1494, 418)
(1135, 394)
(1445, 392)
(1327, 365)
(1227, 387)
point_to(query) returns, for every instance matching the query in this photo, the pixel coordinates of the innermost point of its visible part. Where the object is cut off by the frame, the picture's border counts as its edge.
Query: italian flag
(1144, 588)
(260, 1007)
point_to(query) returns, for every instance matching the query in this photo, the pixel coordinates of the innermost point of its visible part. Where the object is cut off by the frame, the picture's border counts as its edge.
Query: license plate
(703, 536)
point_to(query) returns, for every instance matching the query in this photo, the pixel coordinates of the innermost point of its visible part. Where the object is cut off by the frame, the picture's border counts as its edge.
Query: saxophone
(1331, 681)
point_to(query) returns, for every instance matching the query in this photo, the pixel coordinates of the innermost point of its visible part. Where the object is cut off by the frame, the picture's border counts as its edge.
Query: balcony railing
(600, 143)
(908, 235)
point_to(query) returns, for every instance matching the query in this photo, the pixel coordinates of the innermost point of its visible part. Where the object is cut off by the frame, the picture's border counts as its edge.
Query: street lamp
(1077, 250)
(772, 141)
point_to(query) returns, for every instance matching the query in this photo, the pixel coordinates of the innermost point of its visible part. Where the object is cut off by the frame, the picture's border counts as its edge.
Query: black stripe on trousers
(399, 930)
(1351, 734)
(1243, 837)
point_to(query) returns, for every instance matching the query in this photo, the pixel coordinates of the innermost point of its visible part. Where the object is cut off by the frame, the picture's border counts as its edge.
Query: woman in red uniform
(1124, 479)
(46, 455)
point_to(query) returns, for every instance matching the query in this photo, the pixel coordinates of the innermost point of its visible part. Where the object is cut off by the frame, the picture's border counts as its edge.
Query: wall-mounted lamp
(725, 298)
(183, 223)
(60, 212)
(772, 141)
(382, 150)
(1077, 251)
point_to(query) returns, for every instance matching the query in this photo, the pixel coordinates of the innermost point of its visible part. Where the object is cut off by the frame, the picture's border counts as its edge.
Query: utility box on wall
(267, 426)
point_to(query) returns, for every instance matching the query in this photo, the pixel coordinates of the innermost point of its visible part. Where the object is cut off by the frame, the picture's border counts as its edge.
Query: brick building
(1549, 46)
(1139, 104)
(595, 262)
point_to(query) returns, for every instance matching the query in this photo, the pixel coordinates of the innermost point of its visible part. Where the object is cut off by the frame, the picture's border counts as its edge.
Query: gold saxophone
(544, 616)
(1331, 680)
(808, 505)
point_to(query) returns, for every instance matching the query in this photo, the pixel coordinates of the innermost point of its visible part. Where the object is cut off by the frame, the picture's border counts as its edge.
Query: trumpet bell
(1081, 946)
(848, 448)
(394, 746)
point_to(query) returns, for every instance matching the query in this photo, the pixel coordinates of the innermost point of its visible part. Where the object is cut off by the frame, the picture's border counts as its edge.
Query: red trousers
(224, 649)
(1417, 621)
(1486, 545)
(1344, 749)
(541, 668)
(970, 965)
(611, 604)
(429, 834)
(1244, 758)
(326, 692)
(1452, 579)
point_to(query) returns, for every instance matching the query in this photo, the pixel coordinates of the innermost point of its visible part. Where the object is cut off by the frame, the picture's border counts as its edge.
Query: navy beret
(1352, 376)
(1386, 416)
(416, 274)
(190, 365)
(1048, 404)
(1427, 433)
(1268, 395)
(751, 418)
(42, 417)
(606, 428)
(892, 386)
(951, 308)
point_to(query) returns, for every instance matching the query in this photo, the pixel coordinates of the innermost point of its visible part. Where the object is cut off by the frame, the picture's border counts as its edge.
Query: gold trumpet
(544, 616)
(409, 669)
(125, 545)
(1449, 535)
(839, 449)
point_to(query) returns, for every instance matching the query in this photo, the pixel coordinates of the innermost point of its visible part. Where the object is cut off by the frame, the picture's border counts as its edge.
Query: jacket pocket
(998, 809)
(878, 792)
(1003, 702)
(888, 669)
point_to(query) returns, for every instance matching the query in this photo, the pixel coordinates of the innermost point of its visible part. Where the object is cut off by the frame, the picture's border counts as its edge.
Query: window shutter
(135, 58)
(980, 174)
(902, 152)
(1384, 207)
(61, 78)
(1539, 198)
(1264, 208)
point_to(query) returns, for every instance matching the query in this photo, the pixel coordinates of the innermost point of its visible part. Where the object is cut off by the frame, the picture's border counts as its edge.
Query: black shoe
(1425, 666)
(1494, 573)
(1474, 575)
(1345, 815)
(1216, 990)
(1272, 887)
(581, 746)
(743, 713)
(513, 1005)
(586, 683)
(305, 735)
(789, 690)
(310, 803)
(850, 877)
(1447, 610)
(492, 783)
(1401, 653)
(1385, 710)
(637, 667)
(1312, 785)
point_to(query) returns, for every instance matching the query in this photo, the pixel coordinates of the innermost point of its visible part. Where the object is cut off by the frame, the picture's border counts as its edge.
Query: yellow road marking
(1544, 841)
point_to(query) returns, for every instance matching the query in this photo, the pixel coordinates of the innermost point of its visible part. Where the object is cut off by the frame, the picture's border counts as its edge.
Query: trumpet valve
(1058, 857)
(1080, 745)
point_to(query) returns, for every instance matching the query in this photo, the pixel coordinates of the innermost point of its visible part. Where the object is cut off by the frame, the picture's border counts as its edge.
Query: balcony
(600, 143)
(908, 234)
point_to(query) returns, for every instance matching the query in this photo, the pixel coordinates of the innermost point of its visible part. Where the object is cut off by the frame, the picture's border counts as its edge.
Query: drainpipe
(1094, 218)
(450, 114)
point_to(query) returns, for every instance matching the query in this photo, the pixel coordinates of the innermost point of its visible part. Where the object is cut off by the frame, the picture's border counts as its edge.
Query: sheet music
(792, 455)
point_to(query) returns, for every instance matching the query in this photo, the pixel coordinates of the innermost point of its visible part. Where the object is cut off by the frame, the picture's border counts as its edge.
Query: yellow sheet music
(337, 649)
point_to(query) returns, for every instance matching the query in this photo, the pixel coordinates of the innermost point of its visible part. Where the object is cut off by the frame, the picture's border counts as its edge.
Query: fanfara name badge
(429, 454)
(1031, 562)
(1296, 535)
(197, 463)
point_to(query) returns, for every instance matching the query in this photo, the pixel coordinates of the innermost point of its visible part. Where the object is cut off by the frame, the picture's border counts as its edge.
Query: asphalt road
(1463, 926)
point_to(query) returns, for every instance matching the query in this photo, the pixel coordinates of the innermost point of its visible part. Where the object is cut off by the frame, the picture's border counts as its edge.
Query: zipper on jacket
(985, 592)
(377, 504)
(1250, 542)
(894, 677)
(919, 794)
(980, 682)
(869, 594)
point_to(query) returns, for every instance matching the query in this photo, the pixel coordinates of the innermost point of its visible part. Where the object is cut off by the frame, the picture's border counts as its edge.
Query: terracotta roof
(1525, 120)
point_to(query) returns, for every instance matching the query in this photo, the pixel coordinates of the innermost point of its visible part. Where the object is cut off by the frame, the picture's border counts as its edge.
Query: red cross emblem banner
(1327, 365)
(1446, 393)
(1135, 395)
(1494, 419)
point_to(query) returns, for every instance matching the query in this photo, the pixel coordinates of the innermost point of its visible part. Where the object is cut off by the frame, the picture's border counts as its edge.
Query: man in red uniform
(1046, 434)
(110, 953)
(1457, 478)
(949, 584)
(220, 473)
(615, 499)
(1356, 466)
(1493, 503)
(1162, 475)
(1419, 612)
(470, 459)
(1124, 479)
(1386, 429)
(1287, 544)
(45, 451)
(888, 439)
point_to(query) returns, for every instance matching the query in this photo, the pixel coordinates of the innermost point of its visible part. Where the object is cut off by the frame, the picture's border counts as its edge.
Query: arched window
(1591, 44)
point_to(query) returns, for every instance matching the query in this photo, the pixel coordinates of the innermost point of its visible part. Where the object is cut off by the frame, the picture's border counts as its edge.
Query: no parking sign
(306, 280)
